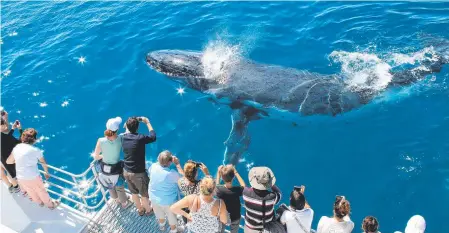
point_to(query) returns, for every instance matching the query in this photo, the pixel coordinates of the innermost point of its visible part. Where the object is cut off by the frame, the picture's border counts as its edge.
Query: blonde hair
(207, 186)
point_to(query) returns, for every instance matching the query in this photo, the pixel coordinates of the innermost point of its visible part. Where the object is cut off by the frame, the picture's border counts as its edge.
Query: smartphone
(17, 122)
(298, 188)
(3, 113)
(139, 118)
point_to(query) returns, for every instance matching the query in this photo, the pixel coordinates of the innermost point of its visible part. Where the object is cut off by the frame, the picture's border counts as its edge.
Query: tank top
(110, 150)
(187, 189)
(202, 220)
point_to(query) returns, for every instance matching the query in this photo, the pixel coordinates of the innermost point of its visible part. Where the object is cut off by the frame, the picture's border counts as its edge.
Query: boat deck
(19, 214)
(114, 219)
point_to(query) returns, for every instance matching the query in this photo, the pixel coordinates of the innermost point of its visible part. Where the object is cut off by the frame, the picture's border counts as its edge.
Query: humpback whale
(254, 90)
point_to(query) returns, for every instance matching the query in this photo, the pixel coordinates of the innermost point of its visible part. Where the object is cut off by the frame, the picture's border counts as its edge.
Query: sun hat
(261, 178)
(416, 224)
(113, 124)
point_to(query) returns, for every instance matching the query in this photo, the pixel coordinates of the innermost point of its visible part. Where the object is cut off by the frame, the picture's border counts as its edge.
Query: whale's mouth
(174, 63)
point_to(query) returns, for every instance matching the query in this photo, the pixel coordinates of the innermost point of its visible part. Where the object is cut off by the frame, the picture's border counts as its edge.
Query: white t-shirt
(330, 225)
(26, 157)
(305, 216)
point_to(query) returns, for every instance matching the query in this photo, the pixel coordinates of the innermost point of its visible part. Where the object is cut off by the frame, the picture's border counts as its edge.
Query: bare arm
(147, 122)
(303, 189)
(204, 169)
(44, 165)
(178, 165)
(239, 178)
(223, 213)
(10, 159)
(97, 155)
(177, 208)
(217, 180)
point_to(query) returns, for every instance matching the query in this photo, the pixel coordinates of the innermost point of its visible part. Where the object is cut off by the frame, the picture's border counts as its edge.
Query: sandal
(162, 226)
(141, 212)
(149, 213)
(126, 204)
(55, 205)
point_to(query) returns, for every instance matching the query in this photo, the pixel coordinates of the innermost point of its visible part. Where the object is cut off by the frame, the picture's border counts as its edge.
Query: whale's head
(182, 66)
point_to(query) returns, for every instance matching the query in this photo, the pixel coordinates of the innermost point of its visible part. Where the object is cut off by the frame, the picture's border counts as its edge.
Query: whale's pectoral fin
(239, 139)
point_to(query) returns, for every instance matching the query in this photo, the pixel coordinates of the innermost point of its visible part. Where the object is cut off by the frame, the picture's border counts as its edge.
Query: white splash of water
(218, 58)
(426, 54)
(363, 70)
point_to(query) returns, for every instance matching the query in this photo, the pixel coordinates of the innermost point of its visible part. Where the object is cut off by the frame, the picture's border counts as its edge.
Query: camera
(297, 188)
(3, 112)
(17, 122)
(281, 209)
(139, 118)
(198, 164)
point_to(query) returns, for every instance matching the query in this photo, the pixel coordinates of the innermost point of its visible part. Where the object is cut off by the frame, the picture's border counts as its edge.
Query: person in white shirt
(298, 217)
(26, 157)
(416, 224)
(340, 222)
(370, 225)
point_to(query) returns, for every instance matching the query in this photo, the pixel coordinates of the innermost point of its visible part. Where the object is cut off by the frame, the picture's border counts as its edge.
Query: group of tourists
(169, 190)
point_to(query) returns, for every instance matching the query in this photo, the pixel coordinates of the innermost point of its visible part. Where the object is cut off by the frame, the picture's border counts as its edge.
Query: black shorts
(10, 168)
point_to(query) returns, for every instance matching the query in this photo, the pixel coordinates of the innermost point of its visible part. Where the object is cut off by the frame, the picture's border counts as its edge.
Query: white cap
(113, 124)
(416, 224)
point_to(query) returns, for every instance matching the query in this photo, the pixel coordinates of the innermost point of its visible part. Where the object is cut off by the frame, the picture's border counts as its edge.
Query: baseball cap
(416, 224)
(113, 124)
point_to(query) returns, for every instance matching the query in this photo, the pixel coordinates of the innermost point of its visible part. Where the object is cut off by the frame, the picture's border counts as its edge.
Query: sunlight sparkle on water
(35, 93)
(43, 104)
(7, 73)
(180, 91)
(65, 103)
(82, 60)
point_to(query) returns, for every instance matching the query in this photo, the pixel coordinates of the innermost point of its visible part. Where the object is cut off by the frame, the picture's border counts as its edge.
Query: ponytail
(109, 133)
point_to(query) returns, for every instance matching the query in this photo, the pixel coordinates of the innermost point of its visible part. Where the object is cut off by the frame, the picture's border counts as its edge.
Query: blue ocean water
(389, 158)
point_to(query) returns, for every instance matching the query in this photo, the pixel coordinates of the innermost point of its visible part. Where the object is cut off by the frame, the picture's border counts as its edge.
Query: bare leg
(4, 177)
(136, 200)
(146, 204)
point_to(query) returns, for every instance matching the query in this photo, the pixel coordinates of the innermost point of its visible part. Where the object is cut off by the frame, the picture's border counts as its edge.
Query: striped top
(254, 200)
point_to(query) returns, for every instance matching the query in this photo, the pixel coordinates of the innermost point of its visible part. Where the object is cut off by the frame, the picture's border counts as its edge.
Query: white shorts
(164, 210)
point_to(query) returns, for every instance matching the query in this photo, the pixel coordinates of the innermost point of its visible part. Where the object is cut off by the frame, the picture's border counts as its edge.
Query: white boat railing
(76, 189)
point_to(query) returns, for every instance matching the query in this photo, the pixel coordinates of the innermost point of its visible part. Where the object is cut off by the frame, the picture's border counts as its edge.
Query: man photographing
(134, 169)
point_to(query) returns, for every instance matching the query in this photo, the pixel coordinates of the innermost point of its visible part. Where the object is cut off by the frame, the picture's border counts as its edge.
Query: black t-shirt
(133, 145)
(231, 197)
(8, 142)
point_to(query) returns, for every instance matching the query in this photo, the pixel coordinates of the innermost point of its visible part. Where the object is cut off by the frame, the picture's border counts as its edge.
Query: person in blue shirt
(163, 188)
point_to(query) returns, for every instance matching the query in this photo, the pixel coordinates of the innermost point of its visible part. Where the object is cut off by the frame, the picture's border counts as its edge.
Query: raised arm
(303, 189)
(217, 179)
(177, 208)
(178, 165)
(204, 169)
(152, 136)
(97, 153)
(239, 178)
